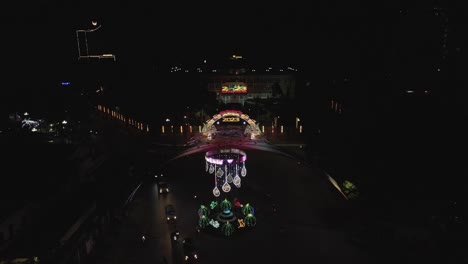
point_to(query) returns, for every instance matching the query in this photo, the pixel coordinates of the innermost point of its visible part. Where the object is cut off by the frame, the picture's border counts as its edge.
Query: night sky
(326, 38)
(171, 32)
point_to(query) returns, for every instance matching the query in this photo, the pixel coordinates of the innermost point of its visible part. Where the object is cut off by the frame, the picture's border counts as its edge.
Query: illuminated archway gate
(232, 116)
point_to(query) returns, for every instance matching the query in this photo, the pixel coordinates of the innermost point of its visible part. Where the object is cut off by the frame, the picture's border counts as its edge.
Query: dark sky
(39, 41)
(46, 29)
(151, 31)
(334, 37)
(139, 30)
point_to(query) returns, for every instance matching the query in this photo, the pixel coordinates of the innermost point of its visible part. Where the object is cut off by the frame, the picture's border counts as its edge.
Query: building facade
(235, 81)
(238, 88)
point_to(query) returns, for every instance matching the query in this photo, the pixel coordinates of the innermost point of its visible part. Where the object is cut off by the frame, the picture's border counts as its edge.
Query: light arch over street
(253, 130)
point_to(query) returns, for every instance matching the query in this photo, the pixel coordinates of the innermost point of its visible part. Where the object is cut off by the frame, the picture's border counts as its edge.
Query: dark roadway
(311, 225)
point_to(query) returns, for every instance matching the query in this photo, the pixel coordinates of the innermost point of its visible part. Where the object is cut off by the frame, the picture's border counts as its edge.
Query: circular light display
(225, 163)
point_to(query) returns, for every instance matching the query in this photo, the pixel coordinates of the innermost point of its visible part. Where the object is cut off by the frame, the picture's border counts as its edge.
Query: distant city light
(65, 83)
(29, 123)
(64, 122)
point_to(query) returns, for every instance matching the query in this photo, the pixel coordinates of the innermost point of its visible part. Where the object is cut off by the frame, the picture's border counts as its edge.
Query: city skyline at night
(126, 128)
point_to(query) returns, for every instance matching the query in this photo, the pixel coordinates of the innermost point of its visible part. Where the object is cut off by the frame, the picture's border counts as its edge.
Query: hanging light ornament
(216, 191)
(219, 173)
(226, 187)
(237, 179)
(243, 171)
(234, 166)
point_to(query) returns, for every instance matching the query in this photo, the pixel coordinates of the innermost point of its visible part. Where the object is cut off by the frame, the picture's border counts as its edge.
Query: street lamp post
(87, 55)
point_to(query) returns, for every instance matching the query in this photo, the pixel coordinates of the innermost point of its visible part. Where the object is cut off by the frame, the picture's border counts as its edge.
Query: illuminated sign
(231, 119)
(234, 88)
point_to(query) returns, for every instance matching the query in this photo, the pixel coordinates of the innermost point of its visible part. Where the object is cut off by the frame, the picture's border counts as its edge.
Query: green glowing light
(227, 229)
(250, 220)
(226, 205)
(247, 209)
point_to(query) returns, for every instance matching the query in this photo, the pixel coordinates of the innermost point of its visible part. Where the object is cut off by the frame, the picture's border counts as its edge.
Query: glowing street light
(297, 122)
(84, 32)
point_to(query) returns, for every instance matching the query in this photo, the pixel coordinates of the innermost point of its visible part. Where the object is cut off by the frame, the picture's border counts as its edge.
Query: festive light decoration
(213, 204)
(226, 163)
(216, 191)
(229, 178)
(28, 123)
(219, 173)
(241, 223)
(350, 190)
(225, 218)
(236, 203)
(226, 187)
(200, 214)
(243, 171)
(203, 221)
(227, 229)
(225, 205)
(250, 220)
(232, 115)
(203, 210)
(247, 209)
(214, 223)
(237, 181)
